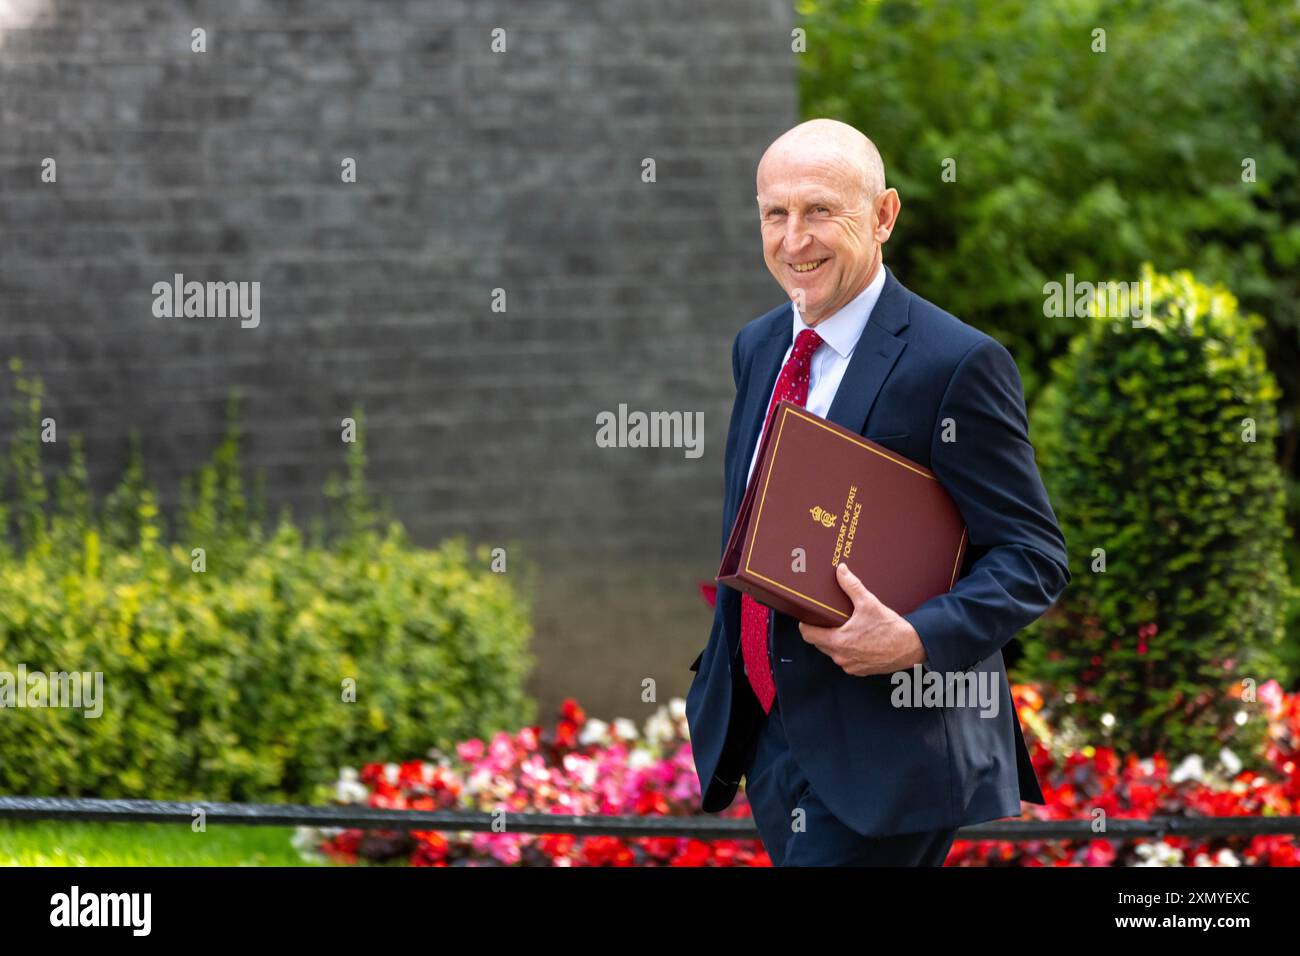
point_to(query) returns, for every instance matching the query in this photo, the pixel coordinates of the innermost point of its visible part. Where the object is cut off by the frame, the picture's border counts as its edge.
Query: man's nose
(796, 235)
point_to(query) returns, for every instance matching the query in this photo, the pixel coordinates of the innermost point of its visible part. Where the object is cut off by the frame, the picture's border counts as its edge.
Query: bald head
(833, 143)
(825, 213)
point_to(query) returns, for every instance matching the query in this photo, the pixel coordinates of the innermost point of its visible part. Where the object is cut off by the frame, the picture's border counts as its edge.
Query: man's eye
(820, 209)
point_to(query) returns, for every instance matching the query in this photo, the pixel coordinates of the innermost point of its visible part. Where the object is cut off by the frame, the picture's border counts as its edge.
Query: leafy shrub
(227, 683)
(1141, 441)
(1057, 144)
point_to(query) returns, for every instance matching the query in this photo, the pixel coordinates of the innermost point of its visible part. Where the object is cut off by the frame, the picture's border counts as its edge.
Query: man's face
(813, 212)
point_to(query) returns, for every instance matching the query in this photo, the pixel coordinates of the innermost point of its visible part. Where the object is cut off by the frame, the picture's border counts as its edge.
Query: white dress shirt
(840, 334)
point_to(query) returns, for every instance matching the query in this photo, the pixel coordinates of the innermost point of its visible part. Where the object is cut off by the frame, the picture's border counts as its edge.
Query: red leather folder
(825, 494)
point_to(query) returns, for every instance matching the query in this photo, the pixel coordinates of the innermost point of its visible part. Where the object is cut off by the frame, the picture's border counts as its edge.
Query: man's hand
(874, 640)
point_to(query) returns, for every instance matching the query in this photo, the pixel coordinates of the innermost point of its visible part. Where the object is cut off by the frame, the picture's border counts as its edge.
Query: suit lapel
(873, 358)
(764, 370)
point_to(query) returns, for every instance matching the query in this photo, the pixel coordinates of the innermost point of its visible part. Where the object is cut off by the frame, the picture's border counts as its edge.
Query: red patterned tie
(792, 386)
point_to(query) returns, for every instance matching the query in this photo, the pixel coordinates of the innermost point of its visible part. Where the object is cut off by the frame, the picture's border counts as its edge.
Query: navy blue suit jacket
(883, 769)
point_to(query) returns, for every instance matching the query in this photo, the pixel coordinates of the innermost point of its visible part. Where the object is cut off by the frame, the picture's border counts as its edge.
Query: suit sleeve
(735, 361)
(989, 470)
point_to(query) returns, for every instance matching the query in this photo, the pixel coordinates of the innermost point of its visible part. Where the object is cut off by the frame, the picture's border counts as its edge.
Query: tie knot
(805, 344)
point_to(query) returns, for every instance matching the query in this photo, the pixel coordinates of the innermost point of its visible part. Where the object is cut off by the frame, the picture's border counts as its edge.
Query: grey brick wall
(475, 171)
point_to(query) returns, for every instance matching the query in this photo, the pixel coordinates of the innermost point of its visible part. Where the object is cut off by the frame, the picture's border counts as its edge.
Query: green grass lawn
(56, 843)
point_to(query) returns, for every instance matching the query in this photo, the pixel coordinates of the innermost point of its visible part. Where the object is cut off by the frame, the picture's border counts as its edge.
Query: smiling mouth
(804, 268)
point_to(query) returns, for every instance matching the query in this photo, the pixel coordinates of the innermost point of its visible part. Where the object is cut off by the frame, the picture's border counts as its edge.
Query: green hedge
(1142, 443)
(1057, 144)
(228, 683)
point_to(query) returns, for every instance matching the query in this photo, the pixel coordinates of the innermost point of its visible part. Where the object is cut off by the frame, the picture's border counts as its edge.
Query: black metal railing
(700, 827)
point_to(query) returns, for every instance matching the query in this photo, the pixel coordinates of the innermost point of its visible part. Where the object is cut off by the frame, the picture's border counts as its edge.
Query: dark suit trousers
(776, 787)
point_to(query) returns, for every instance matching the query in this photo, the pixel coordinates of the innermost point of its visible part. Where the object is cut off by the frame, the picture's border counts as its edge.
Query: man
(835, 773)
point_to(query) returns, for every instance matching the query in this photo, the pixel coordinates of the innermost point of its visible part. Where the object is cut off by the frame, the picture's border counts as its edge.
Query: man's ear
(887, 207)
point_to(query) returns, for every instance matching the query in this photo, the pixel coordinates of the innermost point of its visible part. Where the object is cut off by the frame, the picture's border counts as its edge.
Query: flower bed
(586, 766)
(1078, 780)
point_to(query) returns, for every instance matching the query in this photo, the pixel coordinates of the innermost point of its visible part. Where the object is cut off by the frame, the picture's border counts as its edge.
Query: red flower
(695, 853)
(659, 848)
(430, 848)
(1105, 762)
(571, 712)
(651, 803)
(606, 851)
(557, 845)
(1099, 853)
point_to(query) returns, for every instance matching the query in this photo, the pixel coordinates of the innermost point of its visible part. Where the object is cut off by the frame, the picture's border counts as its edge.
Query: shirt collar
(843, 329)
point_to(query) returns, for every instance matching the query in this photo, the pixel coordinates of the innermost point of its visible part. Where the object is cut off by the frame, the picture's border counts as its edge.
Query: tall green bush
(1172, 508)
(1177, 143)
(229, 683)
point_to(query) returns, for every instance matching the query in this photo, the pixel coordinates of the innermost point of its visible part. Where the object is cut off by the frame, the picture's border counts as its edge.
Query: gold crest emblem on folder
(822, 516)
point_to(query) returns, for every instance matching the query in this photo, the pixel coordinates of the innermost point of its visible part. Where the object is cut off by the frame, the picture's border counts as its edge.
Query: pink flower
(470, 751)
